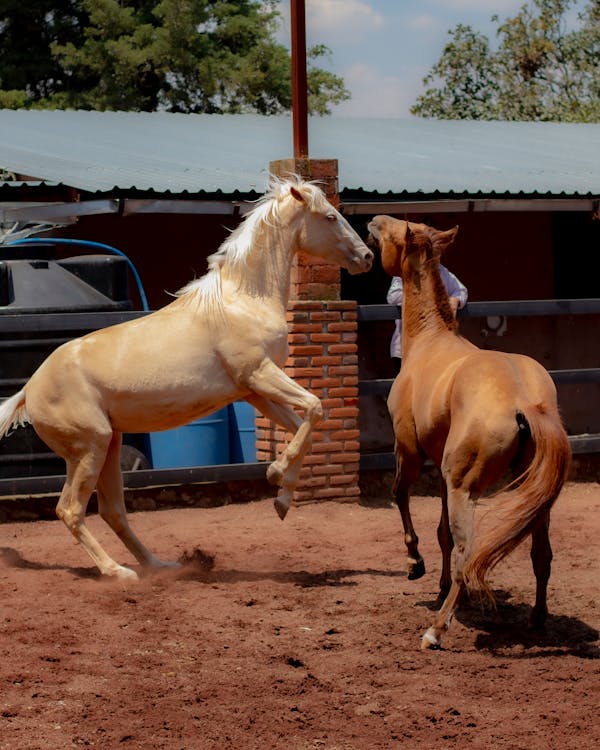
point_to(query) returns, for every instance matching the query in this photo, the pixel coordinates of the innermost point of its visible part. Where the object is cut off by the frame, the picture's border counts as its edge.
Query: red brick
(344, 411)
(342, 349)
(346, 435)
(343, 458)
(327, 360)
(344, 392)
(329, 446)
(307, 328)
(342, 304)
(341, 327)
(325, 338)
(305, 350)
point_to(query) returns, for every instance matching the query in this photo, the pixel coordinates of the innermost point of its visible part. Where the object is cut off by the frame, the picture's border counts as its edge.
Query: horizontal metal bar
(31, 343)
(509, 308)
(82, 321)
(59, 212)
(478, 205)
(161, 206)
(381, 386)
(387, 461)
(79, 321)
(19, 486)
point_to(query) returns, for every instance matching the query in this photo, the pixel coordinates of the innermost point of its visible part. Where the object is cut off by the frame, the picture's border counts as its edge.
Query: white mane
(235, 249)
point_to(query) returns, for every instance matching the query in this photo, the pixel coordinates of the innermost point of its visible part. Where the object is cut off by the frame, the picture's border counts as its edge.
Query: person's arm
(394, 295)
(457, 291)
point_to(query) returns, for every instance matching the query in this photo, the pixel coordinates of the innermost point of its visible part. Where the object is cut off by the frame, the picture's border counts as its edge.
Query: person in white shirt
(457, 296)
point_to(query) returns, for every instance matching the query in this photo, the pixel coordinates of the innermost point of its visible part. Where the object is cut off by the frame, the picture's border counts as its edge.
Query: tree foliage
(541, 70)
(175, 55)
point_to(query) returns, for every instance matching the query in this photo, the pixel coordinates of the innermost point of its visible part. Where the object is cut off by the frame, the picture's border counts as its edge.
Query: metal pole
(299, 84)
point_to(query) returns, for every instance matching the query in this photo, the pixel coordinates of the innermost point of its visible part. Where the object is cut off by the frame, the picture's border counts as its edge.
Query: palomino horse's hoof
(415, 570)
(125, 574)
(281, 508)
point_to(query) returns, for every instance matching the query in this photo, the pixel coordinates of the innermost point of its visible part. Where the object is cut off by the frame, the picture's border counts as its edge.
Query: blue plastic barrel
(203, 442)
(242, 433)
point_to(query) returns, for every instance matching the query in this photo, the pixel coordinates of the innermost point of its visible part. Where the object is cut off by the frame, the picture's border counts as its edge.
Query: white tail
(13, 413)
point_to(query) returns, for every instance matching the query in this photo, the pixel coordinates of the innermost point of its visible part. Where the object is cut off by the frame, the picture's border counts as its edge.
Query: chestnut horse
(223, 339)
(477, 415)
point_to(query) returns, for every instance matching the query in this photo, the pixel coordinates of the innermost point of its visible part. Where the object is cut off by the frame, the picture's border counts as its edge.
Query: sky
(384, 48)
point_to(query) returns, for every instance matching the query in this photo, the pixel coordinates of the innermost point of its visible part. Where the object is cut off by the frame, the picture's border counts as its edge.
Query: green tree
(540, 70)
(176, 55)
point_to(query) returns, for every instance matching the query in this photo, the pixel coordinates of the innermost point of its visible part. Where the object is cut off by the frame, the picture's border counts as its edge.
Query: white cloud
(423, 22)
(377, 95)
(341, 16)
(481, 6)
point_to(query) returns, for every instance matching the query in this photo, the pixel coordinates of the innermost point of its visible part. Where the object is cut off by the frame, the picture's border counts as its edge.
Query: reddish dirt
(303, 636)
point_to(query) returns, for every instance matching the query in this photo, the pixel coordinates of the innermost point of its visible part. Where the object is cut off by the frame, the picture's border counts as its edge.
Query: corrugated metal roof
(177, 153)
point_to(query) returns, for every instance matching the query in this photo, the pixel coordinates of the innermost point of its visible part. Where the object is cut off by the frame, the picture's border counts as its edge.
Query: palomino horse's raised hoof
(415, 569)
(281, 508)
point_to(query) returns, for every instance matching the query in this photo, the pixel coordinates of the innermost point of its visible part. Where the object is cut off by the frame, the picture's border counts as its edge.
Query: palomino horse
(224, 338)
(476, 414)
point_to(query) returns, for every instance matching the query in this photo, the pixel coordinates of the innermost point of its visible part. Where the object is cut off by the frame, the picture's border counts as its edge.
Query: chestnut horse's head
(405, 245)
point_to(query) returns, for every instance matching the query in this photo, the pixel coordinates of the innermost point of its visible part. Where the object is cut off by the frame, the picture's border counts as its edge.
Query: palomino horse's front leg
(275, 395)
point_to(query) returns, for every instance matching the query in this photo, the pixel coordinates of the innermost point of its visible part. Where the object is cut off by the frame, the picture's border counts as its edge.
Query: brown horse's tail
(515, 512)
(13, 413)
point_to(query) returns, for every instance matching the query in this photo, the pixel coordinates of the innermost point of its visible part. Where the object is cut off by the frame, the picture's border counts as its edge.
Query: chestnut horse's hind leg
(541, 557)
(404, 479)
(111, 506)
(82, 474)
(461, 510)
(446, 544)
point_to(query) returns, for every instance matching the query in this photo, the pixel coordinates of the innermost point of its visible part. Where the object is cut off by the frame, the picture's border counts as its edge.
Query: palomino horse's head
(405, 245)
(323, 231)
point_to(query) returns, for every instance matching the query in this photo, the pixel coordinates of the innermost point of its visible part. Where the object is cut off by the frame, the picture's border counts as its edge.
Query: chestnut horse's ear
(391, 250)
(297, 194)
(443, 240)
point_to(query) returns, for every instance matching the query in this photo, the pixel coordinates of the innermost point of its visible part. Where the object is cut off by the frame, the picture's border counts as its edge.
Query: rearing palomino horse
(477, 415)
(224, 338)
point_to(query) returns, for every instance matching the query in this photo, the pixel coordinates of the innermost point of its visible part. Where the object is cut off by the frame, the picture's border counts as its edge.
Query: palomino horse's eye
(331, 217)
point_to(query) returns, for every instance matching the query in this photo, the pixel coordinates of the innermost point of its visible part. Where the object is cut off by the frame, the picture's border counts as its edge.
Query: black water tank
(32, 281)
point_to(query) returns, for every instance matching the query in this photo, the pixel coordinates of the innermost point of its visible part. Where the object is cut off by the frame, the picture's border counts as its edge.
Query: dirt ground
(304, 636)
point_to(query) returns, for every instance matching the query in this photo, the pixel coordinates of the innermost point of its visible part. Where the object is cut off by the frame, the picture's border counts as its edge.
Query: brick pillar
(323, 359)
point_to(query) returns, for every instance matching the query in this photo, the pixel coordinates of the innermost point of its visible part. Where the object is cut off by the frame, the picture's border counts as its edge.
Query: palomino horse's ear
(296, 194)
(443, 240)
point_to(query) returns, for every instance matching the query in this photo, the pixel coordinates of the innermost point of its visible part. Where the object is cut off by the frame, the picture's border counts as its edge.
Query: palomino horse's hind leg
(541, 557)
(82, 473)
(111, 506)
(276, 395)
(461, 511)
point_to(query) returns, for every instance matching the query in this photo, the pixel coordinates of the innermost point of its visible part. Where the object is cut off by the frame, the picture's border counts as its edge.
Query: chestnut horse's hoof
(415, 569)
(430, 641)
